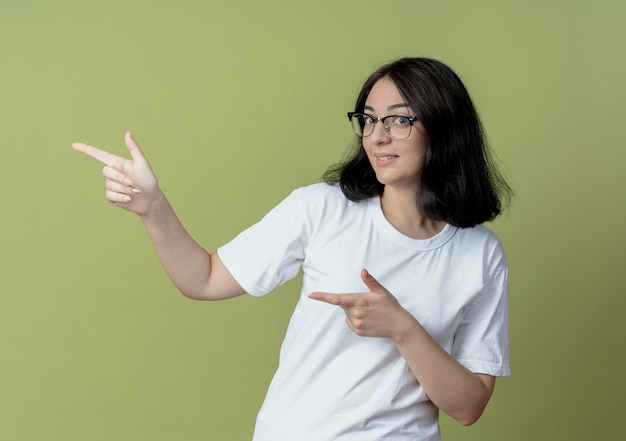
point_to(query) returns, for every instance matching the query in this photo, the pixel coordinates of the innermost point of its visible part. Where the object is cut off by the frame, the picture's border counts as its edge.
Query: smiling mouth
(385, 158)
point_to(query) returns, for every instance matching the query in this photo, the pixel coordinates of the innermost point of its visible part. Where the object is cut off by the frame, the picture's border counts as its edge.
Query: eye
(368, 120)
(401, 121)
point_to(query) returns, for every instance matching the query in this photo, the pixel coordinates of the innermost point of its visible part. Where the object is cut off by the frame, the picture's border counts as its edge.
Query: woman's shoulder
(324, 201)
(321, 192)
(481, 239)
(479, 232)
(319, 189)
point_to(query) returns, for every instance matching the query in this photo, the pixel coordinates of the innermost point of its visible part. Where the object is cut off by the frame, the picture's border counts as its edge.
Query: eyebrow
(393, 106)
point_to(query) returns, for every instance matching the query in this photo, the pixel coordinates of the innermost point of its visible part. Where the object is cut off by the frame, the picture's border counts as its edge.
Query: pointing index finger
(100, 155)
(333, 299)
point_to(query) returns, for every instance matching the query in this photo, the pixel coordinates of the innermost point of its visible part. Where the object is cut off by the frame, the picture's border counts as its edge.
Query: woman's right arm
(131, 184)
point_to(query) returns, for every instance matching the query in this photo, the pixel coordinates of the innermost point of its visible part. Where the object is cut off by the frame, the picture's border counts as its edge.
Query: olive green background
(236, 104)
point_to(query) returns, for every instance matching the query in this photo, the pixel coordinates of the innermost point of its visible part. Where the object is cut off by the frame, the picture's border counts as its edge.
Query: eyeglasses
(397, 126)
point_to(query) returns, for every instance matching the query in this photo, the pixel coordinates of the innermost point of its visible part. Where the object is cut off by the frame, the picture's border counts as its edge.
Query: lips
(383, 159)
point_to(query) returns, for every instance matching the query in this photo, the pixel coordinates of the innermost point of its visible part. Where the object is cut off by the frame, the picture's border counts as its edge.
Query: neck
(401, 208)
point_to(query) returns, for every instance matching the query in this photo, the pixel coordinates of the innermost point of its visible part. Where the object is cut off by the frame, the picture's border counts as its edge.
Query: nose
(380, 134)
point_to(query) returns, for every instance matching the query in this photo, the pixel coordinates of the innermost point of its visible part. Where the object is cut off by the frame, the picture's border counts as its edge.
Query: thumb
(369, 280)
(133, 147)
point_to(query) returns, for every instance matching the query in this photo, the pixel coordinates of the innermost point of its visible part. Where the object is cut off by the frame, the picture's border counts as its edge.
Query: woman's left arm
(453, 388)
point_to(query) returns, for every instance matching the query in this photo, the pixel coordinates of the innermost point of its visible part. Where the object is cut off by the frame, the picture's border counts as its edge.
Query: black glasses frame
(411, 119)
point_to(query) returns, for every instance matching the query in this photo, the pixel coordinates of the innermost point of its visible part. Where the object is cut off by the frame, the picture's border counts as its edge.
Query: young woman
(403, 309)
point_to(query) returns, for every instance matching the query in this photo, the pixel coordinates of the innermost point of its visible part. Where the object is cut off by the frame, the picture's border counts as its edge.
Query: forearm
(133, 186)
(186, 263)
(457, 391)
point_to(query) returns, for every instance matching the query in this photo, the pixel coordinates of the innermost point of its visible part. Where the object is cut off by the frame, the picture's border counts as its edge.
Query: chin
(400, 184)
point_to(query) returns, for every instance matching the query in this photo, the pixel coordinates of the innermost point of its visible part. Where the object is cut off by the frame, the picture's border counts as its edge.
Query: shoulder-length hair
(459, 181)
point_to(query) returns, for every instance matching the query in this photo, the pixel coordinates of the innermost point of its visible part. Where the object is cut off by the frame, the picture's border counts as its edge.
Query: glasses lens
(398, 127)
(357, 124)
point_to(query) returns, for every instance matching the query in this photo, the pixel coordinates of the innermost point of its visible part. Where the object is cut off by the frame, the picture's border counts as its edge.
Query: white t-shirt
(332, 384)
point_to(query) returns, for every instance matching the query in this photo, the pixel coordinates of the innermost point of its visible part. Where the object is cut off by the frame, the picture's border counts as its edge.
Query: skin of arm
(196, 273)
(457, 391)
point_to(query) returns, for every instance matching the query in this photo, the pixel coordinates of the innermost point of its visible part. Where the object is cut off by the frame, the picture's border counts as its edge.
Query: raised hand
(370, 314)
(130, 183)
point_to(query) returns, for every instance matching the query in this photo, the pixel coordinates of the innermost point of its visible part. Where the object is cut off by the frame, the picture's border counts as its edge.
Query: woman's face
(397, 163)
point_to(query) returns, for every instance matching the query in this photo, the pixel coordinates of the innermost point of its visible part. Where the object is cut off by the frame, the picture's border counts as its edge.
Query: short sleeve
(481, 342)
(270, 252)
